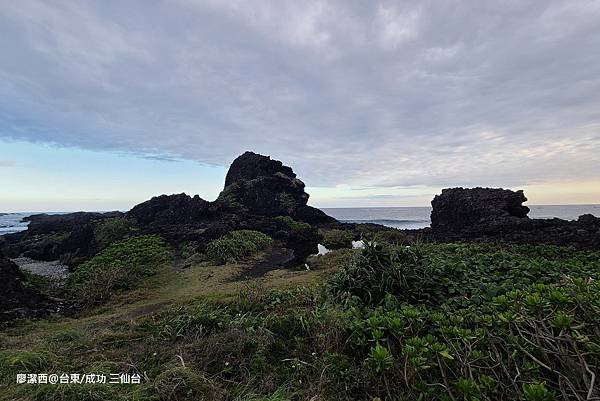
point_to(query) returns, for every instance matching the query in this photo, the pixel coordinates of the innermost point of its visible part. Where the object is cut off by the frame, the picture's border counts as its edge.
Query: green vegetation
(293, 224)
(37, 282)
(390, 235)
(427, 322)
(118, 267)
(236, 245)
(112, 230)
(457, 274)
(337, 239)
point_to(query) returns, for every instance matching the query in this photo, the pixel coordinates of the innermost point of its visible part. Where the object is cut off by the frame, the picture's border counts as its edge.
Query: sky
(106, 103)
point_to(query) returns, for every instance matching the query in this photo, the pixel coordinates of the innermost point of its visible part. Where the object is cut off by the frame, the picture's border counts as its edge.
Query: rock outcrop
(170, 209)
(64, 223)
(458, 208)
(492, 215)
(17, 299)
(257, 191)
(256, 184)
(69, 237)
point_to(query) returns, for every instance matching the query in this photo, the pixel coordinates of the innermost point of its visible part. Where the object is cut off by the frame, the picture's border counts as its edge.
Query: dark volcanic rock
(457, 208)
(170, 209)
(492, 215)
(250, 166)
(69, 237)
(257, 190)
(16, 298)
(256, 184)
(62, 223)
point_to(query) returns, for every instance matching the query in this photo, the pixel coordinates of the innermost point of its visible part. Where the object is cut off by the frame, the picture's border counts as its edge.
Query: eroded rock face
(170, 209)
(458, 208)
(497, 215)
(17, 299)
(256, 184)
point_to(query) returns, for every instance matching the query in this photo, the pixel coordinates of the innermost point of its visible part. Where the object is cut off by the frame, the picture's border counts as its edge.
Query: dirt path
(276, 258)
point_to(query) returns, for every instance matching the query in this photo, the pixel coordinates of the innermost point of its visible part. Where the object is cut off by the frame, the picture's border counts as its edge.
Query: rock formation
(16, 298)
(257, 185)
(457, 208)
(170, 209)
(491, 215)
(50, 237)
(257, 190)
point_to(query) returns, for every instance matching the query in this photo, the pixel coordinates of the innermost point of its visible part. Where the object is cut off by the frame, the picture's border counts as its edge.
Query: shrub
(118, 267)
(381, 269)
(111, 230)
(293, 224)
(237, 245)
(457, 274)
(336, 239)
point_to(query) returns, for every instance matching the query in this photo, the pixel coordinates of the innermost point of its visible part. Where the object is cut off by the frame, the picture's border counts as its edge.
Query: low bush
(384, 234)
(112, 230)
(337, 239)
(536, 343)
(293, 224)
(118, 267)
(456, 274)
(236, 245)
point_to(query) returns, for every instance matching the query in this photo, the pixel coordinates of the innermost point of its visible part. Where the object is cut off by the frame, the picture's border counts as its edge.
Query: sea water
(419, 217)
(397, 217)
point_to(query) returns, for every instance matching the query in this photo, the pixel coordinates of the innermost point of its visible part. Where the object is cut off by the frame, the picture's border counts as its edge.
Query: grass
(237, 245)
(431, 322)
(118, 267)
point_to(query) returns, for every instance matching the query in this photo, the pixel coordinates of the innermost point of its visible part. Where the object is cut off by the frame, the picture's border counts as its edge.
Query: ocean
(397, 217)
(11, 222)
(419, 217)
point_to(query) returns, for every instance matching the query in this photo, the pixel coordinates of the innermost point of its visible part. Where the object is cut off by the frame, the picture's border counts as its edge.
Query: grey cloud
(381, 93)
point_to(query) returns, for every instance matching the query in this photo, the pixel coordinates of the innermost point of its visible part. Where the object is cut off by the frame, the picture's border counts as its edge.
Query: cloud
(382, 94)
(7, 163)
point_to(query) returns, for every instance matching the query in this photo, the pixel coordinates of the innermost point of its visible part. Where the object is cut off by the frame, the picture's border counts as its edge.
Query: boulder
(460, 208)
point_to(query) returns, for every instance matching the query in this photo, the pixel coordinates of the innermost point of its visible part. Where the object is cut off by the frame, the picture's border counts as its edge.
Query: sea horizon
(400, 217)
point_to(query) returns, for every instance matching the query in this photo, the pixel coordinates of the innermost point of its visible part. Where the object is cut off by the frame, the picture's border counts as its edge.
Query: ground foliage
(427, 322)
(236, 245)
(116, 268)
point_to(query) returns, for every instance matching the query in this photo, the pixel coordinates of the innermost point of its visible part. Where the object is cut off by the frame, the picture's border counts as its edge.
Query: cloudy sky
(374, 103)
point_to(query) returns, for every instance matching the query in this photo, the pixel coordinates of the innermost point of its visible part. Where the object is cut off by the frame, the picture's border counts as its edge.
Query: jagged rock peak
(250, 166)
(259, 185)
(457, 208)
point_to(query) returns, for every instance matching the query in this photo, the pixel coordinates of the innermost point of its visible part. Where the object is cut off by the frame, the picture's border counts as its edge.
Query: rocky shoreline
(264, 195)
